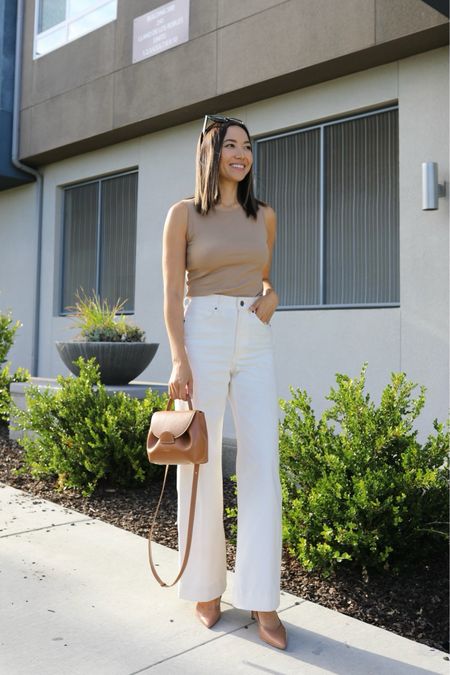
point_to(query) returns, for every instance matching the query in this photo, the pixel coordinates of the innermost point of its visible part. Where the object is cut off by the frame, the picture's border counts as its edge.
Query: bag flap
(174, 421)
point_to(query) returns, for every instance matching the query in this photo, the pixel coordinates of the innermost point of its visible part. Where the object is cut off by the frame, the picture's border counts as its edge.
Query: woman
(222, 347)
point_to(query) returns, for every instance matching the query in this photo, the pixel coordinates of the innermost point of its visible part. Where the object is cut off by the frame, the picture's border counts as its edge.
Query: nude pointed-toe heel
(208, 616)
(276, 637)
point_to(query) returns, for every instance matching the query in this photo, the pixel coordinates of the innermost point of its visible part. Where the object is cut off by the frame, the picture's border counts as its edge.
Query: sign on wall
(162, 28)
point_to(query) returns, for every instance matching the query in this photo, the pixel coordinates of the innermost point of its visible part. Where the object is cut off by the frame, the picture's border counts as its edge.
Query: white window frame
(66, 25)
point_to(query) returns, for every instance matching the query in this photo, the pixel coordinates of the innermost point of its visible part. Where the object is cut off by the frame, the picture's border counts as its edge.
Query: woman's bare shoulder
(270, 216)
(177, 214)
(181, 206)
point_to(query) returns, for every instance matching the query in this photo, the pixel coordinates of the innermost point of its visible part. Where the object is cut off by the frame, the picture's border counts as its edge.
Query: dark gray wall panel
(10, 176)
(88, 94)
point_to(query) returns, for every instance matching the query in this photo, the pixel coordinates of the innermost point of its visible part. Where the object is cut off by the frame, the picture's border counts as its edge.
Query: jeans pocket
(195, 314)
(263, 323)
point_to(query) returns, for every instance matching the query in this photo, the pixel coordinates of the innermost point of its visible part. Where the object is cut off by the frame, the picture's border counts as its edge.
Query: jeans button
(242, 303)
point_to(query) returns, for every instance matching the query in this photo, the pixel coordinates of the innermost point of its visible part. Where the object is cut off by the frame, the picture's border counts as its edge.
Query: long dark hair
(207, 191)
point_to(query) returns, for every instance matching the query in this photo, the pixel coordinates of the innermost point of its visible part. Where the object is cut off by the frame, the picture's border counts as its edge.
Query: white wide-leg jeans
(230, 352)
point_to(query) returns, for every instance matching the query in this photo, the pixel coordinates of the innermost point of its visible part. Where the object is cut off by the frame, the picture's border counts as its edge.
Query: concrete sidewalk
(77, 598)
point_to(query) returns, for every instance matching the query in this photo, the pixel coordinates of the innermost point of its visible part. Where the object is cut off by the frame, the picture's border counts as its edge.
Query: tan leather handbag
(177, 437)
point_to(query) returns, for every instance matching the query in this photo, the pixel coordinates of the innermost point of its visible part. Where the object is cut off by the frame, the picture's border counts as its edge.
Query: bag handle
(171, 401)
(189, 532)
(190, 521)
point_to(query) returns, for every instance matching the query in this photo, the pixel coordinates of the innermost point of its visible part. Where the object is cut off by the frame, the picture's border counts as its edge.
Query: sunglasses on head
(217, 119)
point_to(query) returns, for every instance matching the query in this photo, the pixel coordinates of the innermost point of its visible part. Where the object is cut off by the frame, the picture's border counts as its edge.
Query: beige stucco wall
(311, 346)
(18, 244)
(424, 235)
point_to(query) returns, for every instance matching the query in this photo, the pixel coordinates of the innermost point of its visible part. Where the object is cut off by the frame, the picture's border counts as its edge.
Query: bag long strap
(189, 531)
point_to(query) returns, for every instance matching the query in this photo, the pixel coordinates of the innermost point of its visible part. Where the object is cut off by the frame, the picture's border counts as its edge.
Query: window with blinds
(99, 240)
(335, 189)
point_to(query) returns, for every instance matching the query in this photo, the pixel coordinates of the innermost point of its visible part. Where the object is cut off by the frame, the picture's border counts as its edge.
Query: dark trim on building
(441, 6)
(10, 176)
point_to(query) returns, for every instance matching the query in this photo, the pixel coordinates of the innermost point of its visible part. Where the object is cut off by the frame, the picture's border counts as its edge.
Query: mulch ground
(413, 604)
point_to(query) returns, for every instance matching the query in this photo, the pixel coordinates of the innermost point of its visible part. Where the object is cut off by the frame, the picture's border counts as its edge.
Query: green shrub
(231, 513)
(120, 333)
(7, 332)
(368, 493)
(82, 435)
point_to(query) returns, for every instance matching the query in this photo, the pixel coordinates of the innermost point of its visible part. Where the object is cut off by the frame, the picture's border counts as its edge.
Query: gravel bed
(412, 604)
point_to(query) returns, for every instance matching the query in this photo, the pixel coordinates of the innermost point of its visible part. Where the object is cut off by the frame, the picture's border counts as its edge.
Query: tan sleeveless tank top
(226, 252)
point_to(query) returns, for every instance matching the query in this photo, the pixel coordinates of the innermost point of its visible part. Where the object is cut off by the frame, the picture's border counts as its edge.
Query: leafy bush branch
(81, 435)
(369, 493)
(8, 329)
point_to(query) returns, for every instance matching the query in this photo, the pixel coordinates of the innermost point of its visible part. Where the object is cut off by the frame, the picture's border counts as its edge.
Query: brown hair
(207, 192)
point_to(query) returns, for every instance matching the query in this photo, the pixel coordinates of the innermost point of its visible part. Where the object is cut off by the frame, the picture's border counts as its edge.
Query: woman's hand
(181, 384)
(265, 306)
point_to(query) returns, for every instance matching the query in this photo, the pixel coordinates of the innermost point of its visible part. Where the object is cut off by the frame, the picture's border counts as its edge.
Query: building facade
(344, 100)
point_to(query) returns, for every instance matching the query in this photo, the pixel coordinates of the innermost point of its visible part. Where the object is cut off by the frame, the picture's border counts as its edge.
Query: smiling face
(236, 157)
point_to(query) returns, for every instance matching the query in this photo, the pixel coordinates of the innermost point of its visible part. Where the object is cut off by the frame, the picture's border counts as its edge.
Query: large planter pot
(119, 362)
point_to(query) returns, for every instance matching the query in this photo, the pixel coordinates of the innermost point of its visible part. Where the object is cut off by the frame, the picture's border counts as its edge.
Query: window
(61, 21)
(335, 188)
(99, 240)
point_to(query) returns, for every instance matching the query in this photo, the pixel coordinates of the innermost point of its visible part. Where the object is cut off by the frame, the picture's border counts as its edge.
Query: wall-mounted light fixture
(431, 189)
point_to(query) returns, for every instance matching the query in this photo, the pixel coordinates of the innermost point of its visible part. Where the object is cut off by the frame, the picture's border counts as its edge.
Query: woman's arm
(266, 305)
(174, 268)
